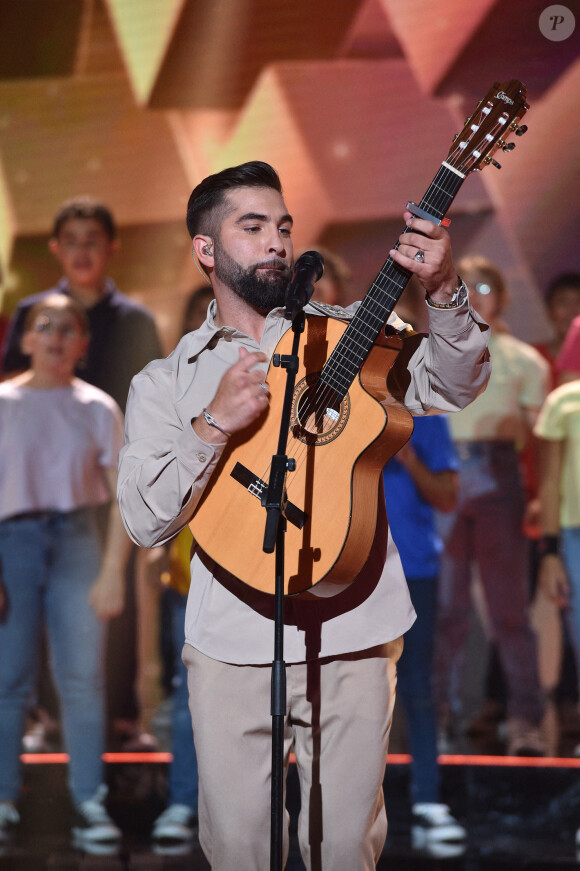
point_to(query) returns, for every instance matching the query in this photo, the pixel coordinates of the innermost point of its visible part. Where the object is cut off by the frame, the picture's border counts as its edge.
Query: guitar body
(332, 493)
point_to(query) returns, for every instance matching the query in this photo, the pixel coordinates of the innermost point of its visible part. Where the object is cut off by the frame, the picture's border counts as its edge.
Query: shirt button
(202, 458)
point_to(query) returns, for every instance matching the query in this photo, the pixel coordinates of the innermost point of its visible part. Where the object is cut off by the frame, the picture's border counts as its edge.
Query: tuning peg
(509, 146)
(496, 164)
(521, 130)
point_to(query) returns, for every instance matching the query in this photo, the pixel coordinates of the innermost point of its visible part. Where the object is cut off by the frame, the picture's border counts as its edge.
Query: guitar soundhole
(318, 414)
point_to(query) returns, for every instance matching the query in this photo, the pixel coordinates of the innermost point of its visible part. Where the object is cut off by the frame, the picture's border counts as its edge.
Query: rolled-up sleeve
(448, 368)
(163, 467)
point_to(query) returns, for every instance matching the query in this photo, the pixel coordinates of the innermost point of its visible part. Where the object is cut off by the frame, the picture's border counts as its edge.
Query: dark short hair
(562, 282)
(88, 209)
(58, 302)
(205, 204)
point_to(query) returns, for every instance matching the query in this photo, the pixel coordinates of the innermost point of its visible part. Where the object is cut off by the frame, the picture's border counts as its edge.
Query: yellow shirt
(179, 575)
(559, 420)
(519, 380)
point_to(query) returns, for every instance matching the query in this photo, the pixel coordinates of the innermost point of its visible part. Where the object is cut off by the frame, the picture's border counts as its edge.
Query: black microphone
(307, 270)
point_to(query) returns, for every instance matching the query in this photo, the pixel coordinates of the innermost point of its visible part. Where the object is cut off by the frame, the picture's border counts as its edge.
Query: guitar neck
(352, 350)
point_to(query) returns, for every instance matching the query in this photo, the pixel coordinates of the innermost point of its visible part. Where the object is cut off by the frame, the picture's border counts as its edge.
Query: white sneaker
(433, 822)
(9, 819)
(34, 741)
(92, 823)
(177, 823)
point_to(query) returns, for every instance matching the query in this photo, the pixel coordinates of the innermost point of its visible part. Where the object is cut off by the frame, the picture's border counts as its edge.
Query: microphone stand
(274, 502)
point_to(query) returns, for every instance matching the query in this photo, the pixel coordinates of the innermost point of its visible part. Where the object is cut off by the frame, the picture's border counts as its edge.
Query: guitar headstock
(487, 129)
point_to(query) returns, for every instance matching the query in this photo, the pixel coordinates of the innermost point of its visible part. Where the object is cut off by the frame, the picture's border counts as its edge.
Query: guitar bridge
(257, 487)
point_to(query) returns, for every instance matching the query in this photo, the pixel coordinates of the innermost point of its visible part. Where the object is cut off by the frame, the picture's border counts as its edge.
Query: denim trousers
(571, 554)
(415, 690)
(183, 779)
(48, 563)
(486, 530)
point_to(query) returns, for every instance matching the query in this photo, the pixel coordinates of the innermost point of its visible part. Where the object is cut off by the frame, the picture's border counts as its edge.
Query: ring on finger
(419, 256)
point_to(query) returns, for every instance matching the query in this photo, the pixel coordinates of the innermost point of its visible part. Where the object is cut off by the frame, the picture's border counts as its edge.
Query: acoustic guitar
(344, 425)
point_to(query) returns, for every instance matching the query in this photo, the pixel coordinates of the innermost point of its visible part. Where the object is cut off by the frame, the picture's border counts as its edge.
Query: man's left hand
(436, 272)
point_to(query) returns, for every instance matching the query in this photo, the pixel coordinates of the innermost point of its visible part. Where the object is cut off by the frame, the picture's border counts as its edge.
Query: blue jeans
(183, 777)
(48, 562)
(486, 529)
(571, 555)
(415, 689)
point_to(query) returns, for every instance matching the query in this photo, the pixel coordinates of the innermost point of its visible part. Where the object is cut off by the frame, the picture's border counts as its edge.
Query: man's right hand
(242, 396)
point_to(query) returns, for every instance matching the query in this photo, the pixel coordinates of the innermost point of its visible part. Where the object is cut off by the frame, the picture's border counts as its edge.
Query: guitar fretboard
(353, 348)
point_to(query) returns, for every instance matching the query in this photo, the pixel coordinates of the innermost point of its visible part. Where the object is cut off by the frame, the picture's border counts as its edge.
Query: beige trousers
(339, 713)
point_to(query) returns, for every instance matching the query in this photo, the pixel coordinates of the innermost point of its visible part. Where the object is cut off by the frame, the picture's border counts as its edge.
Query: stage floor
(520, 814)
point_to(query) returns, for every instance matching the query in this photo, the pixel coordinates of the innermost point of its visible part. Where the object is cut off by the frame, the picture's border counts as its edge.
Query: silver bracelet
(213, 422)
(459, 296)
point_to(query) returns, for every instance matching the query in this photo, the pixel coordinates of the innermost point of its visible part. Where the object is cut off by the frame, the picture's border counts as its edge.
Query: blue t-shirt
(411, 518)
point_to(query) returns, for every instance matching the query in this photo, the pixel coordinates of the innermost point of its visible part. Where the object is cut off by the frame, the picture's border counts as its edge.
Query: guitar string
(436, 200)
(438, 196)
(378, 309)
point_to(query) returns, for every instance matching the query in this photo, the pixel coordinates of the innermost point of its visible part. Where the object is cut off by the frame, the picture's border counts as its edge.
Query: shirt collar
(210, 332)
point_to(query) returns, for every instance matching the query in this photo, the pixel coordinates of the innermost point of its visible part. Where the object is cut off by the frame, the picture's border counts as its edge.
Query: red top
(568, 360)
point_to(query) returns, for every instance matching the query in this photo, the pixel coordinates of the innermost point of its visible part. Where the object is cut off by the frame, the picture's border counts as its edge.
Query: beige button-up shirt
(164, 468)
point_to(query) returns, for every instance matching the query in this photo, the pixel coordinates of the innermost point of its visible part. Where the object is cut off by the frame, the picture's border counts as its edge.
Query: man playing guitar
(341, 650)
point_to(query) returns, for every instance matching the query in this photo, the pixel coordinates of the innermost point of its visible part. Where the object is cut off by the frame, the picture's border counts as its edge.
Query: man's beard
(262, 292)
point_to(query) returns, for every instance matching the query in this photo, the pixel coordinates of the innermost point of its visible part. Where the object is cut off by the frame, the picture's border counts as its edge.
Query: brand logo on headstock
(501, 95)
